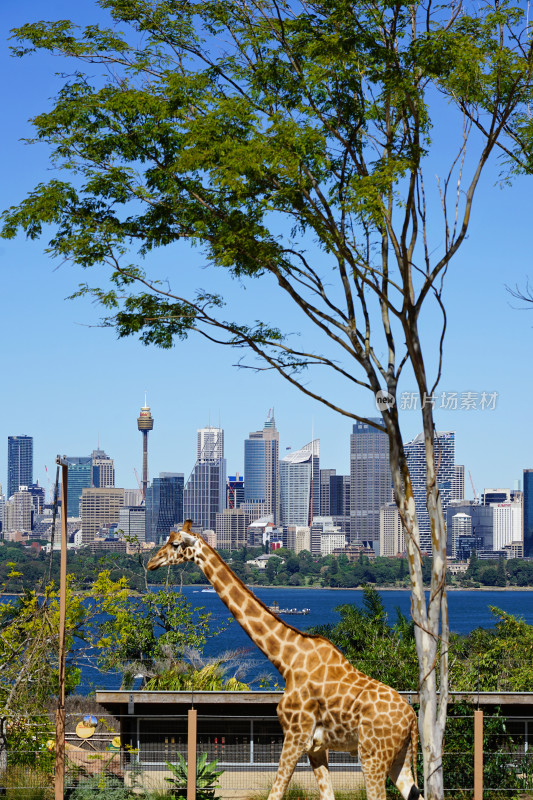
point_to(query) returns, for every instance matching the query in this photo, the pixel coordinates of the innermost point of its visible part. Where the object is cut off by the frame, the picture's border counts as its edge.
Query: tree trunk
(3, 754)
(431, 617)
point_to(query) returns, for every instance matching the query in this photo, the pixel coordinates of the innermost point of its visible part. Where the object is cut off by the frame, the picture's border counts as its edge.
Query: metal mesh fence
(146, 758)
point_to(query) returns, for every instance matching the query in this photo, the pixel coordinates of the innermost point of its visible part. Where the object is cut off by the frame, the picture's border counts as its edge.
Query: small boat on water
(275, 608)
(209, 591)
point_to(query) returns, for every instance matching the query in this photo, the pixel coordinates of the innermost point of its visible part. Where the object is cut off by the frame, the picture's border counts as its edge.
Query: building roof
(304, 454)
(126, 697)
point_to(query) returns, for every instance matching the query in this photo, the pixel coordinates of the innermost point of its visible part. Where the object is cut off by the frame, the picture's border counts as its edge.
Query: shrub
(207, 777)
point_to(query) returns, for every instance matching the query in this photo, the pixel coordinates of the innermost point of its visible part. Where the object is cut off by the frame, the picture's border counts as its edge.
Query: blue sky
(70, 384)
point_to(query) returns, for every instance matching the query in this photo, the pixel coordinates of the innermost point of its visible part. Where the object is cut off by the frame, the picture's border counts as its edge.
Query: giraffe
(327, 703)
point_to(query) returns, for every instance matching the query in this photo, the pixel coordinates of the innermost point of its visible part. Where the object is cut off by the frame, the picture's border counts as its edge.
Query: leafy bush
(182, 676)
(104, 787)
(27, 739)
(110, 788)
(206, 778)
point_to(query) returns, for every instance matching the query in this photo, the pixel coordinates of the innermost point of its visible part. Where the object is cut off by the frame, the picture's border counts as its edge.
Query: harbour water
(468, 609)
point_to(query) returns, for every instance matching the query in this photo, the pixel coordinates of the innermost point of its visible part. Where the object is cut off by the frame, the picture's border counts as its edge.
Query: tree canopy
(284, 140)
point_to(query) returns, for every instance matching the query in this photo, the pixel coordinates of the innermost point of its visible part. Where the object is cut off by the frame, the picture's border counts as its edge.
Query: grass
(23, 782)
(296, 792)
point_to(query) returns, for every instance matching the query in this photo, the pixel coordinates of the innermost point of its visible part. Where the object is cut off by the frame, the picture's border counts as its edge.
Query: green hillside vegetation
(285, 568)
(499, 658)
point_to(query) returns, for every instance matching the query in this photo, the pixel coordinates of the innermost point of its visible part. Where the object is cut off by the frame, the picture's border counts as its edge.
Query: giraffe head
(181, 546)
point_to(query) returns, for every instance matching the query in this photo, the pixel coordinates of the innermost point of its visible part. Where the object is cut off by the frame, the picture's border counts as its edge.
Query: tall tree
(29, 657)
(290, 142)
(161, 637)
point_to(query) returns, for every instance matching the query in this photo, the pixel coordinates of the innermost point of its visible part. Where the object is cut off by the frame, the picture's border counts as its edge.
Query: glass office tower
(528, 513)
(300, 485)
(416, 460)
(370, 481)
(164, 506)
(261, 468)
(19, 463)
(204, 495)
(80, 469)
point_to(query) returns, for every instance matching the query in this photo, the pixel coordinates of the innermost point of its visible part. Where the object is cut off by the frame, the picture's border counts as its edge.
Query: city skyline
(131, 483)
(309, 496)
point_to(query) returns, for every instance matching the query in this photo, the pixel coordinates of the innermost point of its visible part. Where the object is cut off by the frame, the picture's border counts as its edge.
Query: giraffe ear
(188, 539)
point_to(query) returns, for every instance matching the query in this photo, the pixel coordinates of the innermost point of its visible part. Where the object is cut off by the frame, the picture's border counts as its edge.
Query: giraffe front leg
(319, 763)
(291, 752)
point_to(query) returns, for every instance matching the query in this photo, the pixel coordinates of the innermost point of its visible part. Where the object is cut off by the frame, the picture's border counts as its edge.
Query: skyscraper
(103, 474)
(2, 504)
(325, 491)
(231, 526)
(335, 498)
(164, 505)
(391, 533)
(19, 463)
(234, 491)
(204, 495)
(209, 444)
(370, 481)
(299, 538)
(37, 498)
(80, 471)
(261, 468)
(508, 520)
(99, 507)
(493, 495)
(131, 521)
(300, 485)
(416, 460)
(18, 512)
(326, 536)
(528, 513)
(458, 483)
(461, 528)
(482, 524)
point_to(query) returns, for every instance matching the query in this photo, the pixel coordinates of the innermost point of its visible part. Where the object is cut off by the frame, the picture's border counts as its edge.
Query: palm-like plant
(207, 777)
(198, 673)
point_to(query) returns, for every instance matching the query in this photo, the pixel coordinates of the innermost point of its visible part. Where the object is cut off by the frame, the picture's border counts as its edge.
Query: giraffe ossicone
(327, 704)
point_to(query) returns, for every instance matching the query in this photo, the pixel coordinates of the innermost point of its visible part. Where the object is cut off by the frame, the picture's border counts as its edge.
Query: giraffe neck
(274, 637)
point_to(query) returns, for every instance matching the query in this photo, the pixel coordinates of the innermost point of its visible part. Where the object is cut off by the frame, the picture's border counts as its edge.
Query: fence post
(192, 726)
(478, 755)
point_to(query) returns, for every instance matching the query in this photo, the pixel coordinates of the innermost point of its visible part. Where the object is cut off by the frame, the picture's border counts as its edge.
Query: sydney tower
(145, 423)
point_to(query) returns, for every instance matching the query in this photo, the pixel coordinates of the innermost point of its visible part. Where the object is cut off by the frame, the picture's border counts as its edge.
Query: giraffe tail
(415, 792)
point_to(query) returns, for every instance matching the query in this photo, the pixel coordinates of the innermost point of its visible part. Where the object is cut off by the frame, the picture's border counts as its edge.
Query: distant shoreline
(375, 586)
(378, 588)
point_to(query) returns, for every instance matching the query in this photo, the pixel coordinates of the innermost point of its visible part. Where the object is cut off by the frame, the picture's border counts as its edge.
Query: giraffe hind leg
(375, 772)
(319, 763)
(401, 775)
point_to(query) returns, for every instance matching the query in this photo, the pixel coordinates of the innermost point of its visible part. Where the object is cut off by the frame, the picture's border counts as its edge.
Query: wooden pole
(478, 755)
(192, 727)
(59, 783)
